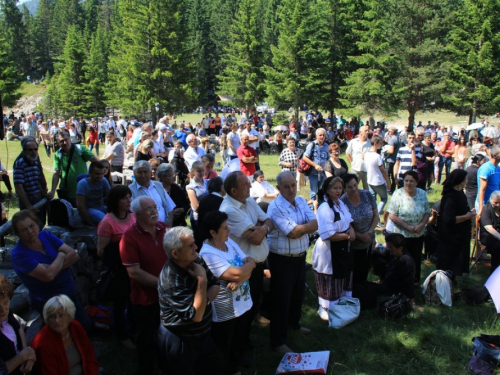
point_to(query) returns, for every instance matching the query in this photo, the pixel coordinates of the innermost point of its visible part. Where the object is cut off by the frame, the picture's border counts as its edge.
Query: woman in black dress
(454, 225)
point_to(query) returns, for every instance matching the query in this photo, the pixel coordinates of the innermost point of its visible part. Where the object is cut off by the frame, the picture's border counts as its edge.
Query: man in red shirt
(141, 251)
(446, 149)
(248, 157)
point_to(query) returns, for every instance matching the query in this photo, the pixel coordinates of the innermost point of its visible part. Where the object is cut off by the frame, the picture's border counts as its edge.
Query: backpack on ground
(486, 354)
(61, 214)
(438, 288)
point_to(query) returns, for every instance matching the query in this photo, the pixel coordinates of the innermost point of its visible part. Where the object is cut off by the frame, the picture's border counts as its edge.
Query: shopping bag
(304, 363)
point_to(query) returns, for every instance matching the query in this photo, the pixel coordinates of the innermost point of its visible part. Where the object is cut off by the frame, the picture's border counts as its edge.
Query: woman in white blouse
(332, 257)
(231, 307)
(262, 190)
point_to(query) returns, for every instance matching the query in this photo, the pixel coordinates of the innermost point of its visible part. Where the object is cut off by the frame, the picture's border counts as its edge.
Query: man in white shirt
(356, 152)
(153, 189)
(289, 240)
(233, 142)
(193, 152)
(101, 128)
(248, 226)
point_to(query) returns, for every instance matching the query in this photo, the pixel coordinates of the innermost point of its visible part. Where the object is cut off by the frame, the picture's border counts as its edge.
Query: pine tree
(41, 38)
(287, 78)
(95, 69)
(150, 65)
(11, 22)
(91, 16)
(10, 80)
(403, 51)
(198, 23)
(243, 77)
(222, 16)
(71, 79)
(331, 44)
(66, 13)
(473, 80)
(28, 28)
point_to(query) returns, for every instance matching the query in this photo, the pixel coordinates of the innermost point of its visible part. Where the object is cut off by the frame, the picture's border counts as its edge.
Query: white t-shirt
(372, 163)
(252, 133)
(235, 141)
(228, 304)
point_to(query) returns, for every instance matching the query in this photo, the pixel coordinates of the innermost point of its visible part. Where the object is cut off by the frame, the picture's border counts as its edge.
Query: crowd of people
(185, 297)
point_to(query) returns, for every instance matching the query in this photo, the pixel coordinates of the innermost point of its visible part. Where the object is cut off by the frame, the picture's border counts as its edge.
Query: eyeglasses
(150, 209)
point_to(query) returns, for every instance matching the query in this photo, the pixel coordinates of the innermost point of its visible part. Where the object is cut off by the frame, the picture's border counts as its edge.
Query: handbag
(344, 312)
(487, 348)
(397, 306)
(303, 167)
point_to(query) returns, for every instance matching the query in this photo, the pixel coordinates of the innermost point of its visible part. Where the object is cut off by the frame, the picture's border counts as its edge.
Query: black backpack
(61, 214)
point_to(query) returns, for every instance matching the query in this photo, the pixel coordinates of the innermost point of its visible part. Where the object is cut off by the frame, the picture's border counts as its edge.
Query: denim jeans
(96, 214)
(443, 161)
(315, 181)
(381, 191)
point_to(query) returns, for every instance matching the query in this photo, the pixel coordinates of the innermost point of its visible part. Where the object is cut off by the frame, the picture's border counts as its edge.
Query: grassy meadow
(437, 341)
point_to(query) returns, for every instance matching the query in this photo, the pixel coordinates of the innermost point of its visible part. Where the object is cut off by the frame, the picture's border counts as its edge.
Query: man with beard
(29, 180)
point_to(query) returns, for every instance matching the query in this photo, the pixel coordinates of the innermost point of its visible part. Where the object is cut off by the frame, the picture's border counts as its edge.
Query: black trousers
(361, 264)
(256, 281)
(228, 336)
(414, 247)
(288, 278)
(148, 320)
(392, 178)
(6, 181)
(188, 355)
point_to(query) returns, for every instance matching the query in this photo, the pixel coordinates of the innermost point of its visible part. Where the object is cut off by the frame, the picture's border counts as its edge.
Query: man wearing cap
(29, 180)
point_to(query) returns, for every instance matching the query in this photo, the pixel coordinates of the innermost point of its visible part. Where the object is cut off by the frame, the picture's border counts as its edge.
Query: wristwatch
(268, 229)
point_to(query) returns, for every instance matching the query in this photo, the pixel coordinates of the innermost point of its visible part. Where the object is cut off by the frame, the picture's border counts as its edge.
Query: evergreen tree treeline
(150, 57)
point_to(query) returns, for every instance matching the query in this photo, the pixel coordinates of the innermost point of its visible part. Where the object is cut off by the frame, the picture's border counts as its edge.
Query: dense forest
(159, 56)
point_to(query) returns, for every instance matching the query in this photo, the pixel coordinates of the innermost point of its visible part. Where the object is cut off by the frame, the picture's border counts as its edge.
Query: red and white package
(304, 363)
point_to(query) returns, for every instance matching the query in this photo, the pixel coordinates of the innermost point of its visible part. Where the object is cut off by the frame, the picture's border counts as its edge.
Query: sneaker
(380, 225)
(323, 314)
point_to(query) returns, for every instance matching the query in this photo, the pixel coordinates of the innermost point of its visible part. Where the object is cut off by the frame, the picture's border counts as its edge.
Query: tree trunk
(411, 119)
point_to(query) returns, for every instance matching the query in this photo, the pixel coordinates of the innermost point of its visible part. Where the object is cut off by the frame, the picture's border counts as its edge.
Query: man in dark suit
(210, 202)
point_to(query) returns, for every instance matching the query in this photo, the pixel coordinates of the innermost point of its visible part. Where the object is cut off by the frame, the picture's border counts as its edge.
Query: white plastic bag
(343, 312)
(304, 363)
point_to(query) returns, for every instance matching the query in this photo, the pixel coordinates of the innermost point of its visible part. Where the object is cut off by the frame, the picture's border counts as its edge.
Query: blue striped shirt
(28, 175)
(404, 158)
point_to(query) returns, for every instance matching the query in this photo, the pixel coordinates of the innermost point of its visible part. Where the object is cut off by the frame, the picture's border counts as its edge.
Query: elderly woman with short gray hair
(490, 229)
(62, 346)
(166, 175)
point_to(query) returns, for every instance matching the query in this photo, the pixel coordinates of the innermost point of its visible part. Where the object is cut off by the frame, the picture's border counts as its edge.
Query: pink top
(110, 227)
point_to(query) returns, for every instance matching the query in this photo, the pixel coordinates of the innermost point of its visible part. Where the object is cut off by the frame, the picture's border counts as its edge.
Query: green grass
(28, 89)
(435, 342)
